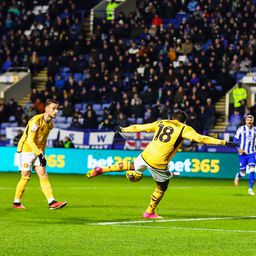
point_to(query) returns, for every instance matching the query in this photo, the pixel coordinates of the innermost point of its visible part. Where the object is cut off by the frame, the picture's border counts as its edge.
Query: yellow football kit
(168, 137)
(34, 137)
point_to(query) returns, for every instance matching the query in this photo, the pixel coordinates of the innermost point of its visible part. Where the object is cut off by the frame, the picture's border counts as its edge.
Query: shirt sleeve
(32, 131)
(190, 134)
(140, 128)
(238, 134)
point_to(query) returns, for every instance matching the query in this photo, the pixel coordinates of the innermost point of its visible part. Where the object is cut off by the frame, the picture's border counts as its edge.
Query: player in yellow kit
(31, 155)
(168, 137)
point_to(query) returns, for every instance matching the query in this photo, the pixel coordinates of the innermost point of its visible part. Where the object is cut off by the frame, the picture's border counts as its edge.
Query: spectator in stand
(58, 144)
(3, 112)
(68, 143)
(136, 106)
(149, 96)
(17, 137)
(23, 121)
(157, 21)
(35, 94)
(110, 9)
(71, 83)
(245, 65)
(121, 120)
(187, 47)
(67, 109)
(203, 118)
(38, 106)
(7, 64)
(19, 113)
(75, 124)
(34, 62)
(107, 124)
(211, 111)
(179, 95)
(50, 82)
(193, 119)
(90, 120)
(247, 111)
(149, 116)
(239, 94)
(235, 118)
(12, 107)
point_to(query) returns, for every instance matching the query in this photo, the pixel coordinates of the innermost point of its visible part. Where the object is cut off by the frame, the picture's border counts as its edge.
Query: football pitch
(103, 217)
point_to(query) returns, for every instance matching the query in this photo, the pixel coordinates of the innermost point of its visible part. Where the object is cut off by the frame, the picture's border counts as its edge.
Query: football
(134, 176)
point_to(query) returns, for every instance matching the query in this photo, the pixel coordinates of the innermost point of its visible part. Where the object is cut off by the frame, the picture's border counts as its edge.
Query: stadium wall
(79, 161)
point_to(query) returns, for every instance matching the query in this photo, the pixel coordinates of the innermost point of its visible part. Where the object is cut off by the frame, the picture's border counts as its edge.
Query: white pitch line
(172, 220)
(193, 229)
(114, 188)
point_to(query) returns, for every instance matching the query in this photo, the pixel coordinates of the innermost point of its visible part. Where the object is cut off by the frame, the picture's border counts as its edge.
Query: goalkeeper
(168, 137)
(31, 155)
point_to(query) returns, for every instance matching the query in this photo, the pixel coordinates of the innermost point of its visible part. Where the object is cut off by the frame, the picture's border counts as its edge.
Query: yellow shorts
(158, 175)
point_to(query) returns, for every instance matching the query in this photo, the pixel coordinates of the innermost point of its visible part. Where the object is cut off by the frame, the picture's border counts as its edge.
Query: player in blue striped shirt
(246, 138)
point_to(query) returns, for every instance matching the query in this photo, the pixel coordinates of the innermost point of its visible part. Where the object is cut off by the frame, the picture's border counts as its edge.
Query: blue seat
(3, 131)
(96, 107)
(231, 128)
(60, 119)
(59, 83)
(60, 112)
(69, 119)
(12, 119)
(131, 120)
(65, 76)
(78, 76)
(218, 88)
(105, 105)
(78, 106)
(139, 120)
(43, 60)
(14, 124)
(4, 125)
(99, 112)
(83, 107)
(253, 69)
(239, 75)
(62, 125)
(81, 120)
(65, 70)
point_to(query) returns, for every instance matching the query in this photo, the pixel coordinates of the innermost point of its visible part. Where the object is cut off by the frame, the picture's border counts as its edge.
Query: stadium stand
(168, 55)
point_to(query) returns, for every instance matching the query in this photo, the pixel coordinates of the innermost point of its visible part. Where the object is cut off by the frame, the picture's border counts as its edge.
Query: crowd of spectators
(144, 65)
(33, 37)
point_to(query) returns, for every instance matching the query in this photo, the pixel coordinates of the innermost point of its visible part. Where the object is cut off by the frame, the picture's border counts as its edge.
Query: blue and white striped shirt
(246, 137)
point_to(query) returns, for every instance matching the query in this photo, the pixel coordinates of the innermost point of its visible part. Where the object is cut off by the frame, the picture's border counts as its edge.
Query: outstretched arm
(190, 134)
(137, 128)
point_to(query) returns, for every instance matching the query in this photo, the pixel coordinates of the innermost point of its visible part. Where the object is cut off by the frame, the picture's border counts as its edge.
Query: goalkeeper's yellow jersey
(168, 137)
(34, 137)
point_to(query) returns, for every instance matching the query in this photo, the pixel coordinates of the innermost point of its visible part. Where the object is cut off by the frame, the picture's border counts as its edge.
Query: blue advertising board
(79, 161)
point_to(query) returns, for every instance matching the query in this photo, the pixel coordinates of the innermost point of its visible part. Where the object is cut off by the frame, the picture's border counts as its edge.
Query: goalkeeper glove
(118, 129)
(231, 144)
(42, 159)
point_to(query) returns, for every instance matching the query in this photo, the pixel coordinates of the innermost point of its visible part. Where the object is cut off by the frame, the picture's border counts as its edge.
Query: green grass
(73, 230)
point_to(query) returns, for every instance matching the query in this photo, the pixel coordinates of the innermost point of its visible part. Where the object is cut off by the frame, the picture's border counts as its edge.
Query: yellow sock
(21, 187)
(47, 188)
(117, 167)
(155, 199)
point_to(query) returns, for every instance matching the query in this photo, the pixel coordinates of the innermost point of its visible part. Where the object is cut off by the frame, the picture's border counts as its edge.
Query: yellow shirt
(238, 95)
(168, 137)
(35, 135)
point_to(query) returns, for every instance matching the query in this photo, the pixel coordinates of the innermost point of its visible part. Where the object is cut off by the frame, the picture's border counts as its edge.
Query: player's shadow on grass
(240, 194)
